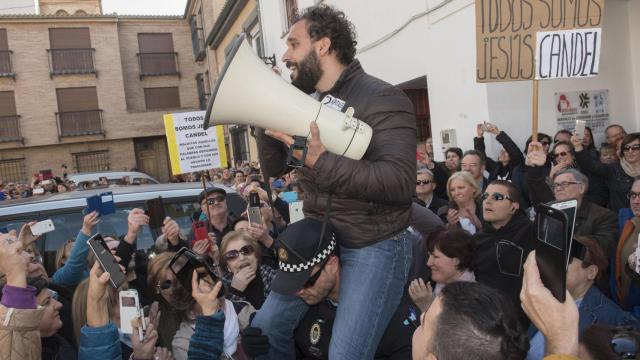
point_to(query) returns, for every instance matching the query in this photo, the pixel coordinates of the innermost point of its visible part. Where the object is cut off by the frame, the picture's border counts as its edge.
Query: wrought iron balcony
(79, 123)
(158, 64)
(10, 128)
(71, 61)
(6, 66)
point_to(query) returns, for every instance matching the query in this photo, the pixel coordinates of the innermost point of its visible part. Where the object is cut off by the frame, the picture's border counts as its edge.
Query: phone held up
(129, 310)
(106, 260)
(253, 211)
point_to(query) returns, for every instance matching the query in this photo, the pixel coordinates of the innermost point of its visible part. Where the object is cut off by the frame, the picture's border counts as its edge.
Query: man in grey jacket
(370, 206)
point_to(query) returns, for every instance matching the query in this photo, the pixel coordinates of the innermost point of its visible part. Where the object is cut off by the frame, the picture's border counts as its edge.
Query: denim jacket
(102, 340)
(597, 308)
(75, 269)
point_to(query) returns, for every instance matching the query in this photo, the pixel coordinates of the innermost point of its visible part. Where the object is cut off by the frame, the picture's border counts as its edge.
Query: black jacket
(436, 204)
(371, 197)
(495, 168)
(618, 181)
(499, 255)
(313, 334)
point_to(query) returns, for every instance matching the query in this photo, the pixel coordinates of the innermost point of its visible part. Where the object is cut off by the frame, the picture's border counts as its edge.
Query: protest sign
(568, 53)
(190, 147)
(590, 106)
(506, 33)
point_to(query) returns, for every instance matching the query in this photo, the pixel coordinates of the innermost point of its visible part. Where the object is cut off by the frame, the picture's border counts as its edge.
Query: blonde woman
(464, 210)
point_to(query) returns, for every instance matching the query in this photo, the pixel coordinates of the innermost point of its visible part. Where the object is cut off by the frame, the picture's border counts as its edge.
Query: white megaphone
(250, 93)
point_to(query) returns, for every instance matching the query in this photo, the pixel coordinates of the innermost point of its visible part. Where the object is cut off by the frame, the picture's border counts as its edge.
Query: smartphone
(570, 208)
(199, 229)
(638, 256)
(579, 129)
(129, 310)
(102, 203)
(184, 262)
(551, 249)
(289, 196)
(42, 227)
(295, 212)
(253, 211)
(106, 260)
(155, 211)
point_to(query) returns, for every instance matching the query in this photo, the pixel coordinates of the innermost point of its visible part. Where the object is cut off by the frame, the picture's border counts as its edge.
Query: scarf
(628, 168)
(465, 276)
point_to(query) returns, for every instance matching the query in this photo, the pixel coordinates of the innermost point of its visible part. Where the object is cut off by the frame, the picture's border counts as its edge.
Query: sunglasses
(314, 278)
(628, 148)
(166, 285)
(560, 154)
(632, 195)
(234, 254)
(424, 182)
(496, 196)
(215, 199)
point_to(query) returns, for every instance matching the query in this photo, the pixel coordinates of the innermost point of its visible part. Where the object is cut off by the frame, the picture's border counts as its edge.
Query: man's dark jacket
(499, 255)
(371, 198)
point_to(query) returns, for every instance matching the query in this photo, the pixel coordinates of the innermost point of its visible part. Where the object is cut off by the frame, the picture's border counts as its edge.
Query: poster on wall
(592, 106)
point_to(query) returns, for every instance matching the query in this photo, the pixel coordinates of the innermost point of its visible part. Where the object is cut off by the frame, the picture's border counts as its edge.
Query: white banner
(568, 53)
(591, 106)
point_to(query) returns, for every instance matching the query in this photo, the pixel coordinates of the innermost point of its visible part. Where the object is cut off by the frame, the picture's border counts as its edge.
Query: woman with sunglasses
(246, 278)
(619, 175)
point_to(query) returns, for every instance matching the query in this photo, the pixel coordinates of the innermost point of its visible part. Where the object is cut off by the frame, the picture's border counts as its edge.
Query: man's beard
(309, 73)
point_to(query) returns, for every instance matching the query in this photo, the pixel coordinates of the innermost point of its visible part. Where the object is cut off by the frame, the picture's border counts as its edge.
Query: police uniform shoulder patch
(315, 333)
(282, 255)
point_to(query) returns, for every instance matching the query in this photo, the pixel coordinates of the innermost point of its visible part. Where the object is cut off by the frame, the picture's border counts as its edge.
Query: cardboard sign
(506, 32)
(190, 147)
(590, 106)
(568, 53)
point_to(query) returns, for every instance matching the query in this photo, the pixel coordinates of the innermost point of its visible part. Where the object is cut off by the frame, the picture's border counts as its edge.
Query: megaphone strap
(299, 143)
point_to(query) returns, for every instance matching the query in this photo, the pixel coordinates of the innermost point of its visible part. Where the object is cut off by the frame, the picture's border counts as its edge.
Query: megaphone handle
(299, 143)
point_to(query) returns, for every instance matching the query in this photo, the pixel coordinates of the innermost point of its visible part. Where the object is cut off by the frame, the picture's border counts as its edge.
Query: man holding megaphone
(366, 201)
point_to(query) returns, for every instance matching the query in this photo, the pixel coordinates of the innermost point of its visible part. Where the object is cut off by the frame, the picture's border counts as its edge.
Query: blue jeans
(372, 281)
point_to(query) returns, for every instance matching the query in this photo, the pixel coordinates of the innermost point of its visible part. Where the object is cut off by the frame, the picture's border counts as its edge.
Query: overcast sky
(144, 7)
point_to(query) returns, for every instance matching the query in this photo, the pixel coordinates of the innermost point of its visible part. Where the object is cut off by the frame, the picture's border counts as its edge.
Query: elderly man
(591, 219)
(473, 161)
(614, 134)
(425, 185)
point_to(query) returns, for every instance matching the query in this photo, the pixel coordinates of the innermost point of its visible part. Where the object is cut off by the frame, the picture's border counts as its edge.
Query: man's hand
(535, 155)
(135, 220)
(26, 237)
(479, 130)
(242, 278)
(163, 354)
(200, 247)
(171, 230)
(492, 129)
(421, 294)
(557, 321)
(88, 222)
(146, 348)
(557, 168)
(314, 146)
(12, 264)
(205, 295)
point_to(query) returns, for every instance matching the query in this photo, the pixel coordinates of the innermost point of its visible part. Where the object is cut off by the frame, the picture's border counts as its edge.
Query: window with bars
(12, 170)
(290, 12)
(91, 161)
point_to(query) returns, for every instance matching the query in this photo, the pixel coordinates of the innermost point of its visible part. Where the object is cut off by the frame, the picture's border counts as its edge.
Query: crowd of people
(377, 268)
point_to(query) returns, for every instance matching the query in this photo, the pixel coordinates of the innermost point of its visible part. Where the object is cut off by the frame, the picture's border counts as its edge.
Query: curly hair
(326, 21)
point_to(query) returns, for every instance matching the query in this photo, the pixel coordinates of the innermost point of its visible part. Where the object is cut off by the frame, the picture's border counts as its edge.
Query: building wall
(52, 157)
(119, 89)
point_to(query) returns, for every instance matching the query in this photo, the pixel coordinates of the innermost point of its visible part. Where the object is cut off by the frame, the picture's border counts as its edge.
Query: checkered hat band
(294, 268)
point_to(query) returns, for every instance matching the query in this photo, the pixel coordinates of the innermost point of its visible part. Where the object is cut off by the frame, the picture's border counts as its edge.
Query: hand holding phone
(253, 211)
(130, 310)
(155, 211)
(552, 249)
(42, 227)
(106, 260)
(103, 204)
